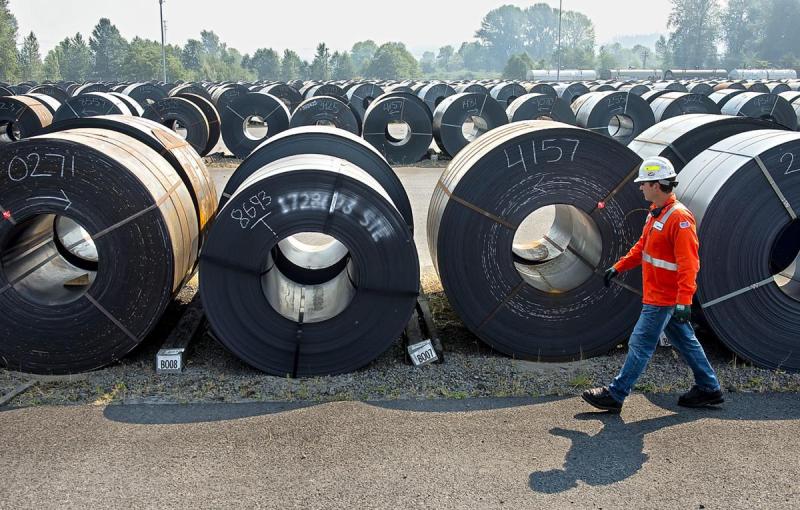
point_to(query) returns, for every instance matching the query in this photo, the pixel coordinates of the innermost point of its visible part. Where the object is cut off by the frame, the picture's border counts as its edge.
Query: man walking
(668, 254)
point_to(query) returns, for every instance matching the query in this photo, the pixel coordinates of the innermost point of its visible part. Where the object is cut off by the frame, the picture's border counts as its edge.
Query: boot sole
(714, 402)
(602, 407)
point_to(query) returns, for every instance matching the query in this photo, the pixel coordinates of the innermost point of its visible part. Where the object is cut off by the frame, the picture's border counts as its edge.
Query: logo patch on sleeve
(685, 224)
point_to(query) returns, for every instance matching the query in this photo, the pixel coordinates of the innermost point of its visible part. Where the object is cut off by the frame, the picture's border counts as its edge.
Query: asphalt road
(479, 454)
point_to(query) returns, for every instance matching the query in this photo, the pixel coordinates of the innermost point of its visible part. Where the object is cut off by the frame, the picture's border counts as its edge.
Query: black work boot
(601, 398)
(699, 398)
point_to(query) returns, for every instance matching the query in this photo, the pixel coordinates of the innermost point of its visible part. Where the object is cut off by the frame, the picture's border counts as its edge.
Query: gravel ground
(471, 369)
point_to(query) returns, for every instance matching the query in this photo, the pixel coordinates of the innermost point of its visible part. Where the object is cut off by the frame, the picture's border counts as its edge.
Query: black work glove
(609, 275)
(682, 313)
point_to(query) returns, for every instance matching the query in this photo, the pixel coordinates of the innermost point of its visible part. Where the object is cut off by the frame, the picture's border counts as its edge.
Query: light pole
(558, 68)
(163, 48)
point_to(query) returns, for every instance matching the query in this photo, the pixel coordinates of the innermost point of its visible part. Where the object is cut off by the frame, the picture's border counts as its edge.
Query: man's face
(649, 190)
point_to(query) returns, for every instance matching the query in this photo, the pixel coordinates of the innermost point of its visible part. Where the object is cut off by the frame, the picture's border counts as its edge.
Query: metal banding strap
(738, 292)
(111, 318)
(769, 179)
(497, 308)
(495, 218)
(672, 147)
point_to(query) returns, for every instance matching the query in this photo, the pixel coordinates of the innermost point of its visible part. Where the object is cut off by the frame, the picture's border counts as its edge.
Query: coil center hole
(620, 126)
(9, 132)
(785, 260)
(49, 259)
(398, 132)
(179, 128)
(255, 127)
(309, 272)
(557, 248)
(474, 127)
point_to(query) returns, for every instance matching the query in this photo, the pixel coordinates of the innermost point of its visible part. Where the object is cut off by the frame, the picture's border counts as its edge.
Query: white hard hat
(656, 168)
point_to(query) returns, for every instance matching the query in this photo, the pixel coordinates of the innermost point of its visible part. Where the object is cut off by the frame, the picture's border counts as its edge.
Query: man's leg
(682, 336)
(641, 346)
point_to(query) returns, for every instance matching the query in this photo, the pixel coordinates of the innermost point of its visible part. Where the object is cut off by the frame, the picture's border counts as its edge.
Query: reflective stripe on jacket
(668, 254)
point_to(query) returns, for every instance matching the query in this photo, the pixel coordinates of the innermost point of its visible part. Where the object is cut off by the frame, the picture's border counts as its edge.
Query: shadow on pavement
(616, 452)
(162, 414)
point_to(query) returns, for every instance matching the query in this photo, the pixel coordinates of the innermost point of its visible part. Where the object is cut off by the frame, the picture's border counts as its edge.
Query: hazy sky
(300, 24)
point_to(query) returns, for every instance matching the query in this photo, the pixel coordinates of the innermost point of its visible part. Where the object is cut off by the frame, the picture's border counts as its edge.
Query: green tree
(517, 67)
(143, 61)
(342, 67)
(75, 63)
(52, 64)
(428, 62)
(211, 44)
(694, 31)
(502, 32)
(664, 52)
(291, 66)
(362, 53)
(30, 60)
(541, 30)
(320, 66)
(445, 54)
(266, 63)
(9, 68)
(108, 50)
(392, 61)
(606, 59)
(781, 37)
(474, 55)
(192, 55)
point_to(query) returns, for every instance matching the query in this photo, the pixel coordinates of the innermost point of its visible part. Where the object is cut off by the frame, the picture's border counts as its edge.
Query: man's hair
(667, 188)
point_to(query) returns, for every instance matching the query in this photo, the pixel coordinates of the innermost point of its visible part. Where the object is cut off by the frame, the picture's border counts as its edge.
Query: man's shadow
(616, 452)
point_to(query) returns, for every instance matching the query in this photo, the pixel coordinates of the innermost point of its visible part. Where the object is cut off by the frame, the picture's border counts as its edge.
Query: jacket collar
(671, 200)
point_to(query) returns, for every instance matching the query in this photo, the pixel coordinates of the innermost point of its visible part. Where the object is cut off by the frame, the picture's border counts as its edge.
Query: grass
(581, 382)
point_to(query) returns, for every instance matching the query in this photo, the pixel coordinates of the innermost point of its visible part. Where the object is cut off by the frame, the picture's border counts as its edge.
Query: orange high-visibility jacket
(668, 253)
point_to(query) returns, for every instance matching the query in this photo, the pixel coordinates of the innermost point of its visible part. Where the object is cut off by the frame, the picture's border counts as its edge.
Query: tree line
(510, 41)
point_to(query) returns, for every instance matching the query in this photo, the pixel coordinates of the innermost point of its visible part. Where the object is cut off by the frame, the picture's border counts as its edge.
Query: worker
(668, 254)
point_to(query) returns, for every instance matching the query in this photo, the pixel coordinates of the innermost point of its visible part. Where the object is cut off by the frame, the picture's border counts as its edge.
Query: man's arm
(634, 257)
(687, 258)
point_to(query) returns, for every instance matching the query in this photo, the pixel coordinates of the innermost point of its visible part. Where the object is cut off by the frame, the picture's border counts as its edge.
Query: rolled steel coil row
(103, 219)
(542, 298)
(311, 267)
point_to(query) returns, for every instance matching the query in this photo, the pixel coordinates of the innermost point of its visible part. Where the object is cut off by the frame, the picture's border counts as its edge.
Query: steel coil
(635, 89)
(212, 118)
(400, 126)
(326, 89)
(769, 107)
(128, 224)
(286, 93)
(681, 139)
(145, 93)
(133, 105)
(190, 88)
(545, 299)
(50, 90)
(328, 141)
(182, 116)
(48, 102)
(474, 88)
(90, 104)
(186, 162)
(360, 96)
(22, 117)
(88, 88)
(534, 106)
(542, 88)
(434, 93)
(700, 88)
(569, 92)
(463, 118)
(673, 104)
(506, 93)
(284, 327)
(224, 94)
(745, 195)
(618, 115)
(251, 119)
(325, 111)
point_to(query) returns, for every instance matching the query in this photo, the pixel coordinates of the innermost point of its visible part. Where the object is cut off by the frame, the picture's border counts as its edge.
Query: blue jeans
(642, 345)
